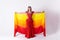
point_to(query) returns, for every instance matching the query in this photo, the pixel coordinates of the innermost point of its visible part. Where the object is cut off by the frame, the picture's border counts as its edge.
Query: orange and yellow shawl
(38, 22)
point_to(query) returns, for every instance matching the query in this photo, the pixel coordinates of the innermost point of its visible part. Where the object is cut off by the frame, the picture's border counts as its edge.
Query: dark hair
(29, 6)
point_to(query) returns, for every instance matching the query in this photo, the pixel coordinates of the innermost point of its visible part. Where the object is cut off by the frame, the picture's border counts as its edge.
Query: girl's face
(29, 9)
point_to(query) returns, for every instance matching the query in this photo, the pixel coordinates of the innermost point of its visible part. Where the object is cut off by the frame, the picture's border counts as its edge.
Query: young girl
(29, 22)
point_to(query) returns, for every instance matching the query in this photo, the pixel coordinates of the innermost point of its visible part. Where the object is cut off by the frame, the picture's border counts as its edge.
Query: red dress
(30, 29)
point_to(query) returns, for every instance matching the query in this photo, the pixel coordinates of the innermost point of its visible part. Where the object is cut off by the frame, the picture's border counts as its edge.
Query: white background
(8, 7)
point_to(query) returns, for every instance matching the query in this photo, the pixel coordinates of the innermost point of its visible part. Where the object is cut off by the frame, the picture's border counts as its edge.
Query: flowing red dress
(30, 29)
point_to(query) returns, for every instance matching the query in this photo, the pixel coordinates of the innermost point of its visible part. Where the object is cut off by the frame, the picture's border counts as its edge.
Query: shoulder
(32, 11)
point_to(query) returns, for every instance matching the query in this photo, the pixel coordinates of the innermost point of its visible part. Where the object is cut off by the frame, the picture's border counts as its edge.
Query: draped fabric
(29, 24)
